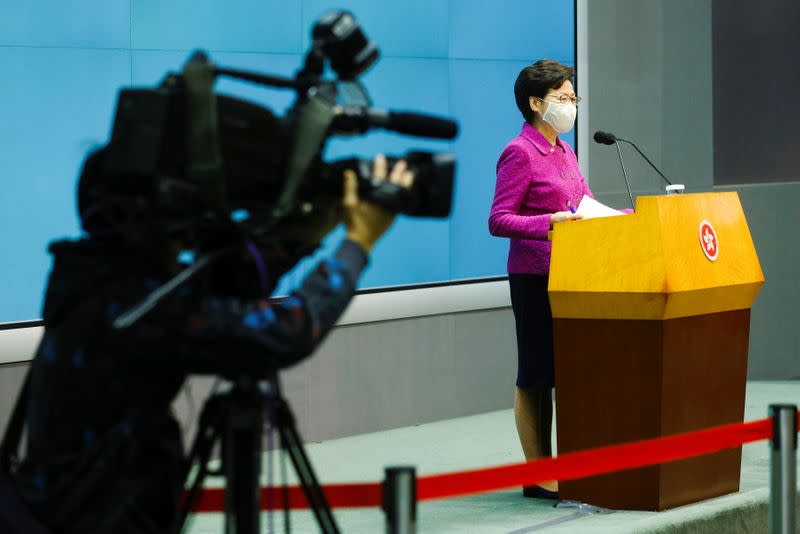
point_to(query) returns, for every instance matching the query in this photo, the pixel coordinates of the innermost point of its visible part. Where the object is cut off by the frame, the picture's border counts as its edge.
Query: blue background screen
(65, 61)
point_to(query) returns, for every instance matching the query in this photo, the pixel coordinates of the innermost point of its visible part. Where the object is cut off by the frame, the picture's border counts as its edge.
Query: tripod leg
(207, 435)
(293, 445)
(242, 463)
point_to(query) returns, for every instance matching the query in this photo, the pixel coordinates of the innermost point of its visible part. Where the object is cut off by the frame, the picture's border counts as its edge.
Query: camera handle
(236, 418)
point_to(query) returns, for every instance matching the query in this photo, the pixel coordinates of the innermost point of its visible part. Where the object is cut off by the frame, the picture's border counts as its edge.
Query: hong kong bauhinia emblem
(708, 241)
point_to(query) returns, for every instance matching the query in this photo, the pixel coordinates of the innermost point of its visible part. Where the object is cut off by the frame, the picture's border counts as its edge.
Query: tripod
(236, 418)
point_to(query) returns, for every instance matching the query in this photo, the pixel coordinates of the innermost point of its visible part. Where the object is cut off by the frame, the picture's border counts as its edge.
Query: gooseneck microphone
(605, 138)
(608, 138)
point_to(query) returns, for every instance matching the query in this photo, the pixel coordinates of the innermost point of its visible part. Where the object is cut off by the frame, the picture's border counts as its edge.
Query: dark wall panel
(756, 75)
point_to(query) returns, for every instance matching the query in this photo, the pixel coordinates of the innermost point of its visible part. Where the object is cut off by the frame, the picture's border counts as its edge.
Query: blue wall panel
(271, 26)
(52, 118)
(65, 63)
(482, 92)
(88, 23)
(512, 29)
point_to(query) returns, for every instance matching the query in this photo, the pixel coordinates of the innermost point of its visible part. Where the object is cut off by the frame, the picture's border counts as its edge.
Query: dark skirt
(534, 324)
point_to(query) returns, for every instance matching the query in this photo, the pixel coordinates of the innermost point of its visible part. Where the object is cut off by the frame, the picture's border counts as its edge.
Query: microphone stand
(645, 158)
(625, 174)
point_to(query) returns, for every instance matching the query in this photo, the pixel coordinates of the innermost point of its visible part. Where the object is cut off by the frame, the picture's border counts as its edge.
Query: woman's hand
(367, 222)
(560, 216)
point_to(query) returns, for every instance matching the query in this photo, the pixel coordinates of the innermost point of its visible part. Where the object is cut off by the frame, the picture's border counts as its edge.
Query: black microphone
(607, 138)
(604, 138)
(357, 119)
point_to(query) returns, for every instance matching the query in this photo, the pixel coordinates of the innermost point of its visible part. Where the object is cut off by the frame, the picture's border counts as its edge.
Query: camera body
(431, 196)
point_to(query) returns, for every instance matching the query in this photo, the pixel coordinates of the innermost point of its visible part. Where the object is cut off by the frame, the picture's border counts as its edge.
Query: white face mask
(560, 116)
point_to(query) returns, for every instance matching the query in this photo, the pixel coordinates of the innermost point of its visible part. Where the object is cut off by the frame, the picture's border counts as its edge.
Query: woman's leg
(533, 413)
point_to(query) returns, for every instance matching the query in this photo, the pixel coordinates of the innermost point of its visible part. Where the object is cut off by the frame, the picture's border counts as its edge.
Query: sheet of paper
(590, 209)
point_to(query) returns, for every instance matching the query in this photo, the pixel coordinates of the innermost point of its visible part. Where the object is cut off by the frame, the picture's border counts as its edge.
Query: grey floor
(490, 439)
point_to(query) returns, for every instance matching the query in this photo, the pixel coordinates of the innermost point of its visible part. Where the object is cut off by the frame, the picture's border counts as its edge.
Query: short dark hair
(536, 80)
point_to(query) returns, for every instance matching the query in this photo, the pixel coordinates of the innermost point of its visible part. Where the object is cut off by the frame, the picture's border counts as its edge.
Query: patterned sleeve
(231, 336)
(513, 179)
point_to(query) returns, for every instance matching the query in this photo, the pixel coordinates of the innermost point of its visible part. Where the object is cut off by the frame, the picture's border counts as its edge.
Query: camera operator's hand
(365, 221)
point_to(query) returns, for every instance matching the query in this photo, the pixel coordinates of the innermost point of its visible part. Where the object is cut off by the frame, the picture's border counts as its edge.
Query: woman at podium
(538, 184)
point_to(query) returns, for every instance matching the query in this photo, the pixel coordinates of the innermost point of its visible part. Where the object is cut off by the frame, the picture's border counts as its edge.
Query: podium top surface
(677, 256)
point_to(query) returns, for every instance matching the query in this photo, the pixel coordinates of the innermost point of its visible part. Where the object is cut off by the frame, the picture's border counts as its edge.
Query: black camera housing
(431, 194)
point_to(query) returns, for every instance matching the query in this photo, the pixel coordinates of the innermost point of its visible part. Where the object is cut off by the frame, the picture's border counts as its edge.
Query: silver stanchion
(783, 478)
(400, 500)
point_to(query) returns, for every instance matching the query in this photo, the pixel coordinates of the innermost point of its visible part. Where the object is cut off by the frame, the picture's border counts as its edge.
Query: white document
(590, 209)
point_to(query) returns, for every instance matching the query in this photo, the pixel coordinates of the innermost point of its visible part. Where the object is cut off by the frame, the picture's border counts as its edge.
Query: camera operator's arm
(230, 336)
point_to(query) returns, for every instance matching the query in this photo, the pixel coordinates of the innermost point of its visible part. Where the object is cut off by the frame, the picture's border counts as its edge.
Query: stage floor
(490, 439)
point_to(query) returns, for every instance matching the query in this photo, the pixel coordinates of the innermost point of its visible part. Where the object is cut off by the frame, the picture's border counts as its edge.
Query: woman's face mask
(560, 116)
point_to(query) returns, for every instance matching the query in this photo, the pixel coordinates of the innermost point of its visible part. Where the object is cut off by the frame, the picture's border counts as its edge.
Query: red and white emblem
(708, 241)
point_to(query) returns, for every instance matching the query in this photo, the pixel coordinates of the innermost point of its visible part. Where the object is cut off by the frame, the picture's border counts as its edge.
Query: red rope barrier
(594, 461)
(564, 467)
(367, 495)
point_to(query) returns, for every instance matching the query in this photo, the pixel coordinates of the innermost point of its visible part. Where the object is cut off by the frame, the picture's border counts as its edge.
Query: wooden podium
(651, 317)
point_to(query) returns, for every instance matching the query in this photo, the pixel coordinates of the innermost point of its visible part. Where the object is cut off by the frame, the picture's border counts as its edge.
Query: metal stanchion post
(400, 500)
(783, 478)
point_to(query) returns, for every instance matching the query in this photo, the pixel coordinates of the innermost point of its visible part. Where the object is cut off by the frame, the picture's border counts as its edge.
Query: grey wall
(650, 68)
(11, 377)
(756, 140)
(406, 372)
(775, 323)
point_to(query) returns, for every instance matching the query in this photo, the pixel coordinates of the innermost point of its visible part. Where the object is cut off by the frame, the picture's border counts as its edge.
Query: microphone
(608, 138)
(604, 138)
(357, 119)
